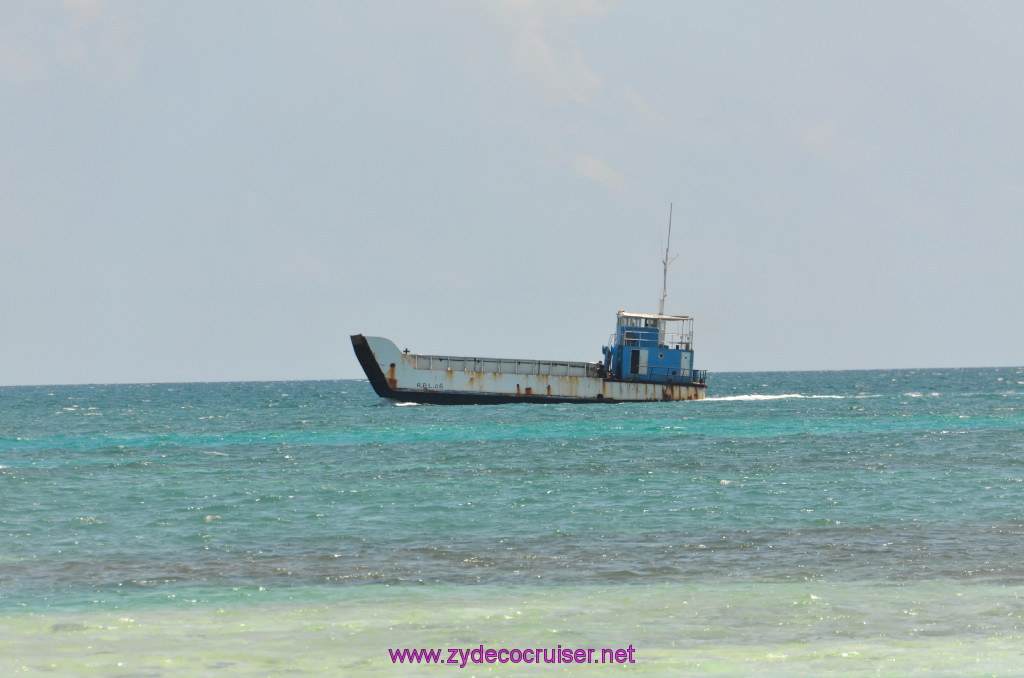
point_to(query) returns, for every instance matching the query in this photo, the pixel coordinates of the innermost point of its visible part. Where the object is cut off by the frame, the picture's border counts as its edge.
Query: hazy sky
(227, 190)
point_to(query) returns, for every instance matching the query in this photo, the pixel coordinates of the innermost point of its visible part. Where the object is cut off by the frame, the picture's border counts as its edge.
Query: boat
(649, 357)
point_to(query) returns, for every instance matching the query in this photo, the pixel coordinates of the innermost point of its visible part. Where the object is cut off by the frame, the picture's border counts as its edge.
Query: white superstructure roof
(654, 316)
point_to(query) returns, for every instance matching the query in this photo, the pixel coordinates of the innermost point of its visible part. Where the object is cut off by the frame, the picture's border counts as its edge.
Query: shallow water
(724, 629)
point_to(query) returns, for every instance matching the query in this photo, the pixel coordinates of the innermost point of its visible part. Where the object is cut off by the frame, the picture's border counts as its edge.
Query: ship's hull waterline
(411, 377)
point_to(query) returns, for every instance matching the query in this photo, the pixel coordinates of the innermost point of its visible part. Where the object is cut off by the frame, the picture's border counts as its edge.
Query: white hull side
(407, 379)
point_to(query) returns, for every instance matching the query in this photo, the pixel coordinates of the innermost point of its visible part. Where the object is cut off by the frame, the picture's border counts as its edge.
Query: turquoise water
(792, 524)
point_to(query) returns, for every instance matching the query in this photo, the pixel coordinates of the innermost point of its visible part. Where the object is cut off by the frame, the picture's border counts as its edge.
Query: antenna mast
(665, 262)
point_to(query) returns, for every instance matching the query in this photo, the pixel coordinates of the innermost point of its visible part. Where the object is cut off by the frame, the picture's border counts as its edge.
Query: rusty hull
(407, 377)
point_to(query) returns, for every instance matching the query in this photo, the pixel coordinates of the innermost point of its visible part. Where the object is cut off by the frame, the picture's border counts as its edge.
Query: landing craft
(648, 357)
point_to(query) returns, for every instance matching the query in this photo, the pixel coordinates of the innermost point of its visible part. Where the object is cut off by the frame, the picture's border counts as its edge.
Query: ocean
(793, 524)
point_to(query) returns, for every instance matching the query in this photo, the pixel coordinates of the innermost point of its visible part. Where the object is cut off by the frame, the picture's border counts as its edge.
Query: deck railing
(555, 368)
(677, 376)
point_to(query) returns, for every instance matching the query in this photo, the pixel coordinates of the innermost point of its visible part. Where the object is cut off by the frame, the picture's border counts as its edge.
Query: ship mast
(665, 262)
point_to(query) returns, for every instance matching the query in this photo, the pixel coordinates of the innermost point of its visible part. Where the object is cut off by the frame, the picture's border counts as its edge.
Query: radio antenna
(665, 262)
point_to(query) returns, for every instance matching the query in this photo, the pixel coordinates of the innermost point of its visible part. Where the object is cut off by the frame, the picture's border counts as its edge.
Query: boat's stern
(654, 349)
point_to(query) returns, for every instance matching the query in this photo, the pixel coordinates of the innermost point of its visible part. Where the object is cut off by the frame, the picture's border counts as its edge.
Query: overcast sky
(206, 191)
